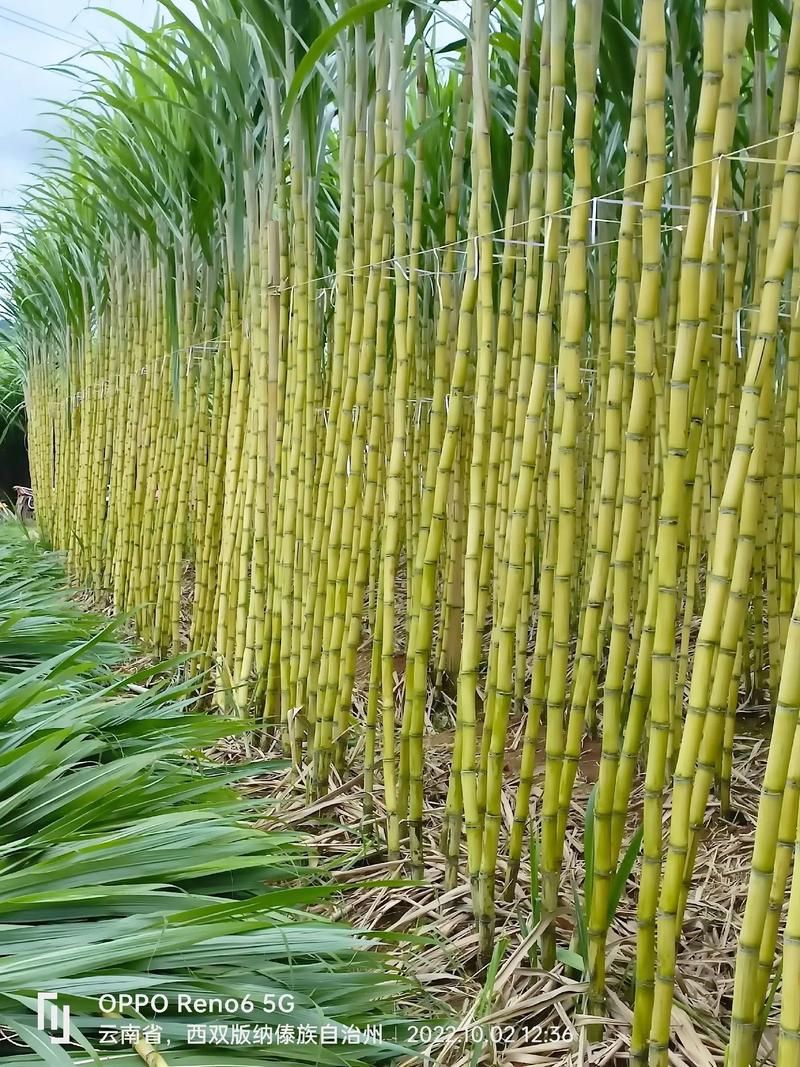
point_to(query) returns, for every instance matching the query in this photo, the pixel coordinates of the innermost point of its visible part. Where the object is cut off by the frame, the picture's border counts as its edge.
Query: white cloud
(35, 34)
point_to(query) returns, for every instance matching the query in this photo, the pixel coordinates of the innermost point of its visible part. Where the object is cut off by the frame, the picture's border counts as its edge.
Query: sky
(33, 35)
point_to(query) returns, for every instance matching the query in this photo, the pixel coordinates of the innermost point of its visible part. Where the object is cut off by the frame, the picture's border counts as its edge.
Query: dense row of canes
(477, 348)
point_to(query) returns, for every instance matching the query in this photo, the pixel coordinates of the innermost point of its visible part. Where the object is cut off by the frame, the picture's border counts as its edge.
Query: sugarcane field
(400, 533)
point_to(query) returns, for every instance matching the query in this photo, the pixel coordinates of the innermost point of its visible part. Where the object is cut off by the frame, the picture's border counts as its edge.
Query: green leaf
(127, 865)
(623, 871)
(571, 959)
(588, 848)
(322, 45)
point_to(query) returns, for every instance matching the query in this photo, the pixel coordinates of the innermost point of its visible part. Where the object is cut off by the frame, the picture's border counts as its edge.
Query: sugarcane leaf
(761, 24)
(623, 871)
(574, 960)
(588, 847)
(39, 1042)
(130, 866)
(779, 12)
(322, 44)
